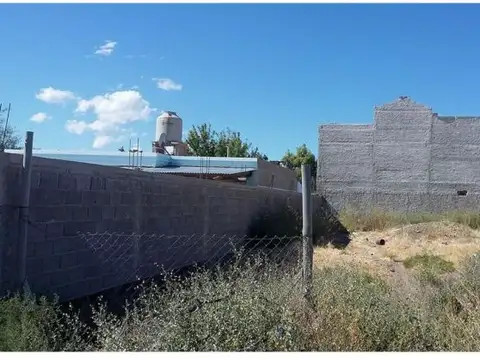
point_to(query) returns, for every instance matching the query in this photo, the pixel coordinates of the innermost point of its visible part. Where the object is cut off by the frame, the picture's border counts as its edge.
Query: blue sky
(272, 72)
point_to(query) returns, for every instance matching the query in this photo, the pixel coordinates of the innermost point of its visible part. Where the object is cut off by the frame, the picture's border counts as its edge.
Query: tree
(8, 138)
(255, 153)
(295, 160)
(202, 140)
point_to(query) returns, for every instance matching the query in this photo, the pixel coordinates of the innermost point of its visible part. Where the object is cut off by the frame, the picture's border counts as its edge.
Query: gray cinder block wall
(69, 197)
(410, 160)
(271, 175)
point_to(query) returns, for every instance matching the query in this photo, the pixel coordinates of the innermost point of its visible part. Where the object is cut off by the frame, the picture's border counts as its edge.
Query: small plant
(31, 324)
(433, 262)
(429, 267)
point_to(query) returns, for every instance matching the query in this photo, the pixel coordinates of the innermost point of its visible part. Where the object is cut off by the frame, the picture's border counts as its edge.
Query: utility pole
(307, 216)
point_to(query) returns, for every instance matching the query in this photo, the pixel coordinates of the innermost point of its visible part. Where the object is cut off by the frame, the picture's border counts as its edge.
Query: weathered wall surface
(271, 175)
(410, 160)
(68, 198)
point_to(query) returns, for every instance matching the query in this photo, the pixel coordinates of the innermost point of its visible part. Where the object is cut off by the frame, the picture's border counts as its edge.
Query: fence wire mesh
(131, 257)
(204, 279)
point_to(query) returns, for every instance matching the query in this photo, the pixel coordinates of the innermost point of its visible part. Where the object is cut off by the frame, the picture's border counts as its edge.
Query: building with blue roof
(168, 156)
(249, 171)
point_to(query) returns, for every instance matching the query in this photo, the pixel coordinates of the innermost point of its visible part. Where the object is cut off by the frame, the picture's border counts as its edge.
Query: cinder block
(78, 212)
(84, 182)
(67, 182)
(68, 261)
(50, 197)
(95, 198)
(75, 228)
(73, 197)
(40, 283)
(51, 263)
(43, 249)
(34, 266)
(95, 285)
(59, 278)
(90, 255)
(127, 199)
(70, 244)
(76, 274)
(123, 212)
(94, 213)
(48, 180)
(108, 212)
(98, 183)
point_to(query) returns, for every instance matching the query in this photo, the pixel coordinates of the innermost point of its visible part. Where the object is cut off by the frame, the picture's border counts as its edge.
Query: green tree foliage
(202, 140)
(301, 156)
(8, 138)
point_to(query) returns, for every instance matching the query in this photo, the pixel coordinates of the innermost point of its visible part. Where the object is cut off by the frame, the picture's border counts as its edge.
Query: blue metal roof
(149, 159)
(212, 170)
(205, 161)
(107, 158)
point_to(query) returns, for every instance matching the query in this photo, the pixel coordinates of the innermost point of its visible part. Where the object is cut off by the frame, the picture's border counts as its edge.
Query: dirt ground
(451, 241)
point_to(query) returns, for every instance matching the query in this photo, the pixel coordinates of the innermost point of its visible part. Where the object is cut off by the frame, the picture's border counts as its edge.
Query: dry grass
(364, 299)
(451, 241)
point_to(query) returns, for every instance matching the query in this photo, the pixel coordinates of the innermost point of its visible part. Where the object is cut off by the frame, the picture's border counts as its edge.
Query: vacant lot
(450, 241)
(396, 287)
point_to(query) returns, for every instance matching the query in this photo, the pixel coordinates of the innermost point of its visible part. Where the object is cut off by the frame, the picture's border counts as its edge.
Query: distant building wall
(409, 160)
(68, 198)
(272, 175)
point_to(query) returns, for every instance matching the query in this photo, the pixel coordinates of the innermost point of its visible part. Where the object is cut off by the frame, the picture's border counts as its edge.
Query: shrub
(255, 305)
(247, 307)
(31, 324)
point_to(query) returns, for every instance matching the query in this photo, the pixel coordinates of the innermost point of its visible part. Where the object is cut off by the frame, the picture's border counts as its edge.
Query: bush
(254, 307)
(257, 306)
(248, 307)
(30, 324)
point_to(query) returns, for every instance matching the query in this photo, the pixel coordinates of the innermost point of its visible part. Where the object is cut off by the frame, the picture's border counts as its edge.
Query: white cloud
(54, 96)
(106, 49)
(168, 84)
(39, 117)
(76, 127)
(113, 112)
(102, 140)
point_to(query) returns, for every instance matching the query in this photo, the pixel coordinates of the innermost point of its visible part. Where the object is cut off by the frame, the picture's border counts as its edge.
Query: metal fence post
(24, 208)
(307, 216)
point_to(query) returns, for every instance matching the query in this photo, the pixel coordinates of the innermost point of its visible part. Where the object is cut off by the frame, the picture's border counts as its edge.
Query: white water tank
(169, 128)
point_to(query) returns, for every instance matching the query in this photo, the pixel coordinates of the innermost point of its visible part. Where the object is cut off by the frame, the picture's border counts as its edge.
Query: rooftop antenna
(141, 153)
(138, 150)
(129, 150)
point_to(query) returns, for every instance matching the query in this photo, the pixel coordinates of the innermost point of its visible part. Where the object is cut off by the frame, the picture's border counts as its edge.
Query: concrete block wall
(271, 175)
(70, 198)
(409, 160)
(345, 157)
